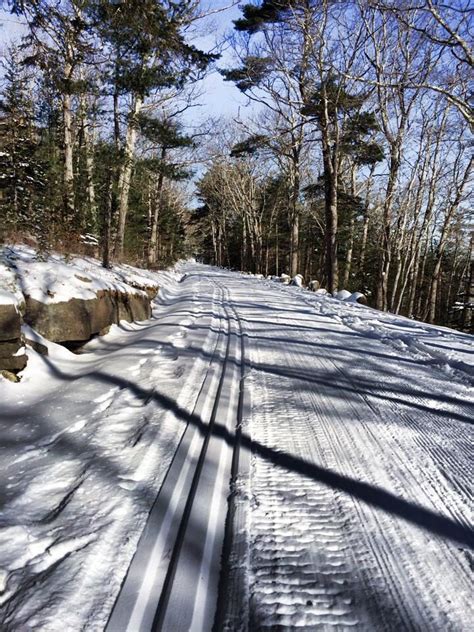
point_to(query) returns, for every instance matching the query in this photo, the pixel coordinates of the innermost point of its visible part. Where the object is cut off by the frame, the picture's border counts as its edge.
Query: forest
(350, 162)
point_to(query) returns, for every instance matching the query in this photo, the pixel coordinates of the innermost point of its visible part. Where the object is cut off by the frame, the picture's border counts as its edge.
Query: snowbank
(69, 299)
(58, 279)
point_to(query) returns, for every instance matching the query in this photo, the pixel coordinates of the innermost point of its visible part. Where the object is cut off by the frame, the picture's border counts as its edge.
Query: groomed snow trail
(355, 512)
(173, 581)
(254, 458)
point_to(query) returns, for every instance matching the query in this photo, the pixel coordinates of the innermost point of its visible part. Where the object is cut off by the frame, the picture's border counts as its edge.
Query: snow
(342, 295)
(7, 298)
(10, 293)
(297, 280)
(59, 279)
(355, 506)
(86, 442)
(358, 494)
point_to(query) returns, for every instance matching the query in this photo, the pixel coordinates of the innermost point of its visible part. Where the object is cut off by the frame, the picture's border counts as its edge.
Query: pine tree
(149, 54)
(22, 172)
(166, 135)
(343, 126)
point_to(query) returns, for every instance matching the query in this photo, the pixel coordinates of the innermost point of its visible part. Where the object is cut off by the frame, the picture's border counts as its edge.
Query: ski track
(89, 480)
(319, 557)
(373, 399)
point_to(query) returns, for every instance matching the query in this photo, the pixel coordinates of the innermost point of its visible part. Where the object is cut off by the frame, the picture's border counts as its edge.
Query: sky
(220, 98)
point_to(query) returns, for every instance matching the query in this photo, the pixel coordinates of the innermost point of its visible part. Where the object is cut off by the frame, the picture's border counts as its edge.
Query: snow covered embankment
(65, 300)
(84, 445)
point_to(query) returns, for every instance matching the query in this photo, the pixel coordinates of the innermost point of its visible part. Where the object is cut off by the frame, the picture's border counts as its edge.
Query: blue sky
(220, 98)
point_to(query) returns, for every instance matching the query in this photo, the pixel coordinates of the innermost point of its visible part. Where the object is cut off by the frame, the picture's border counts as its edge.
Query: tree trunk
(156, 204)
(109, 211)
(68, 180)
(277, 251)
(295, 215)
(91, 197)
(126, 173)
(350, 249)
(330, 206)
(116, 121)
(294, 248)
(385, 259)
(433, 293)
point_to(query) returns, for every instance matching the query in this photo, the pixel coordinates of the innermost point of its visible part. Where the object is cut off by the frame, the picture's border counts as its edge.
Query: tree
(22, 171)
(342, 125)
(445, 27)
(165, 135)
(58, 37)
(148, 54)
(274, 72)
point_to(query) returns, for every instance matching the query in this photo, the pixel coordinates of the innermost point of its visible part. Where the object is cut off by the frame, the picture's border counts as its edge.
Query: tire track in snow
(280, 570)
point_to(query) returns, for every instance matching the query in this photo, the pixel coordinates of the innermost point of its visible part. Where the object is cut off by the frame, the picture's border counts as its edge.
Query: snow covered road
(344, 436)
(357, 507)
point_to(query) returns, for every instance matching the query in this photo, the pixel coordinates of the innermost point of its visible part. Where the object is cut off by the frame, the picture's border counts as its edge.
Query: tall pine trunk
(126, 173)
(330, 208)
(68, 174)
(156, 206)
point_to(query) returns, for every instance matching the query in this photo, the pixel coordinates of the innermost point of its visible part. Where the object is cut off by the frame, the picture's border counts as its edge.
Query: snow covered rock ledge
(12, 350)
(65, 300)
(78, 319)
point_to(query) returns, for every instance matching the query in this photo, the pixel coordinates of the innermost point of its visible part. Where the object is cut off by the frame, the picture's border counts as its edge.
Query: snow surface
(355, 511)
(59, 279)
(86, 441)
(7, 298)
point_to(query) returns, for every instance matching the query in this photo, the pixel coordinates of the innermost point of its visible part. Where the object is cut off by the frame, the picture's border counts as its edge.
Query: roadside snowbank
(58, 279)
(85, 442)
(67, 300)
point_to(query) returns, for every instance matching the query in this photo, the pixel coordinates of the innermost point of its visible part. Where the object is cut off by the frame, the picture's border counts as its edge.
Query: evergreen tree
(22, 172)
(148, 54)
(166, 136)
(343, 126)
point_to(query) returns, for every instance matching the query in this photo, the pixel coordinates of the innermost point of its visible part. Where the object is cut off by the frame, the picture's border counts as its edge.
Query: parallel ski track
(233, 517)
(180, 537)
(230, 315)
(115, 623)
(228, 348)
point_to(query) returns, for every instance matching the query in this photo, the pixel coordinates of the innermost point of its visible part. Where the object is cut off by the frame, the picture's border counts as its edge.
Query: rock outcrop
(77, 320)
(65, 300)
(12, 347)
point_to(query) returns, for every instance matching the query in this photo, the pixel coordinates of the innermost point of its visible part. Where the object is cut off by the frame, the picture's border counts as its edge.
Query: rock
(80, 319)
(8, 375)
(342, 295)
(10, 322)
(151, 290)
(14, 363)
(10, 347)
(285, 278)
(358, 297)
(83, 278)
(133, 307)
(313, 285)
(37, 346)
(297, 280)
